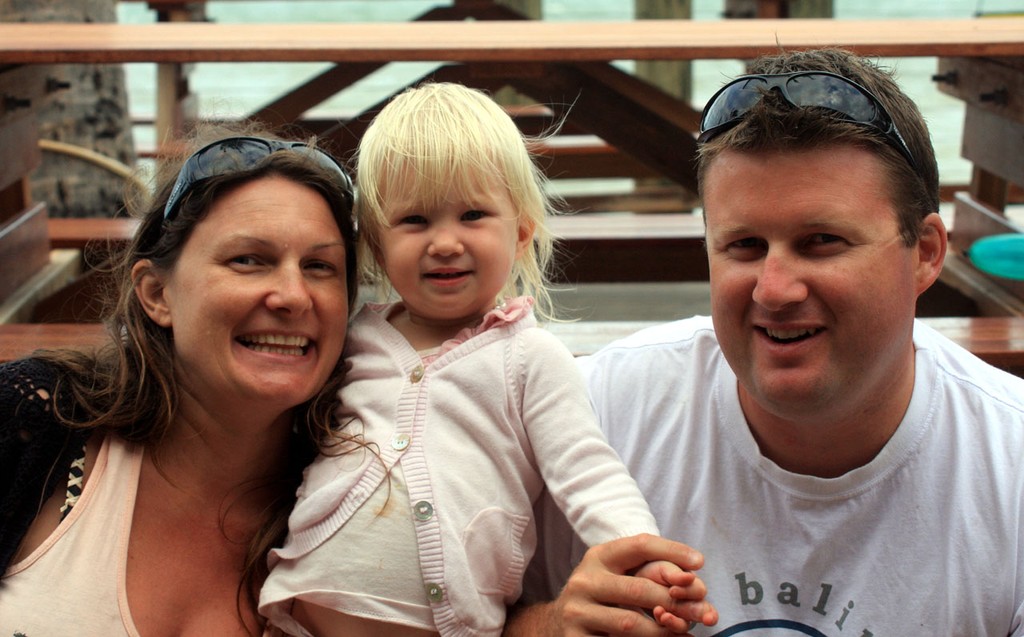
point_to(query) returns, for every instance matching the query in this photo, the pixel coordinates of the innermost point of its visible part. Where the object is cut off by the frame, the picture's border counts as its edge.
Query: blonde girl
(459, 409)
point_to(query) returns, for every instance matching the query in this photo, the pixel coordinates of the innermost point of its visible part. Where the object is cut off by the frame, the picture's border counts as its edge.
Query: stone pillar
(87, 109)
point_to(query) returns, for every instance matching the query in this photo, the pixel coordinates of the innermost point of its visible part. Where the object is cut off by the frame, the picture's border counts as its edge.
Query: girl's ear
(151, 292)
(525, 237)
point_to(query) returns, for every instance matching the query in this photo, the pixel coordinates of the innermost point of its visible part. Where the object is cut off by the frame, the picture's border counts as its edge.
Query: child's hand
(684, 586)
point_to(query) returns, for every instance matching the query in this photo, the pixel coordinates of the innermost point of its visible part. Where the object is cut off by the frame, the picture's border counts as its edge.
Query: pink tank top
(74, 583)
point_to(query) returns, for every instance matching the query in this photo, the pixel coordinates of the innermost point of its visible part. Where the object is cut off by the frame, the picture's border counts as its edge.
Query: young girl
(457, 409)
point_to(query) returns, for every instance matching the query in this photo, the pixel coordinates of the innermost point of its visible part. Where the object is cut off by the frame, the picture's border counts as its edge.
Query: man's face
(812, 290)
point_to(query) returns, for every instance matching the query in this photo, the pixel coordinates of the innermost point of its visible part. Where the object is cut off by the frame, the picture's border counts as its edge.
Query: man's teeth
(276, 344)
(788, 335)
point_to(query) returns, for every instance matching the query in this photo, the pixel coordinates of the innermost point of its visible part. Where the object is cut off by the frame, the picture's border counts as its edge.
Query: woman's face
(257, 301)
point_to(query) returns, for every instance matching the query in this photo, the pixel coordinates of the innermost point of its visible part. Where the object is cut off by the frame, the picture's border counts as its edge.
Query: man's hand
(602, 598)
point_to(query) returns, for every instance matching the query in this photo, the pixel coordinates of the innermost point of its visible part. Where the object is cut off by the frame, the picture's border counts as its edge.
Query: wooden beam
(625, 112)
(500, 41)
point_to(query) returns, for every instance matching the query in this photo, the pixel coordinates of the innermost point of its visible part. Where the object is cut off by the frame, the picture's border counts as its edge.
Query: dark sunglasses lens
(230, 156)
(832, 93)
(733, 101)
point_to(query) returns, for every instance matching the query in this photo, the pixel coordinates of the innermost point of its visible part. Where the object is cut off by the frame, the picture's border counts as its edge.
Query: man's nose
(780, 282)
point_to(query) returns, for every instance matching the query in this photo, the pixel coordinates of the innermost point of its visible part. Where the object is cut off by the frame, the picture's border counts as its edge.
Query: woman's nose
(291, 291)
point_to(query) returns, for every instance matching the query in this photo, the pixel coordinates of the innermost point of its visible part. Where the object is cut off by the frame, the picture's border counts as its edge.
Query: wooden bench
(996, 340)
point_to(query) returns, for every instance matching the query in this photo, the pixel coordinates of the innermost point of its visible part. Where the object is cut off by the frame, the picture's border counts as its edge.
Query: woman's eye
(325, 266)
(246, 259)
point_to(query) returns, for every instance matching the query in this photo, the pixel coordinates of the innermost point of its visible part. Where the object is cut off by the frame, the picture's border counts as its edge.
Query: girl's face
(449, 262)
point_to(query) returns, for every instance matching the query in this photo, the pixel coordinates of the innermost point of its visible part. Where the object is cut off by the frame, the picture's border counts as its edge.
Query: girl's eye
(412, 219)
(472, 215)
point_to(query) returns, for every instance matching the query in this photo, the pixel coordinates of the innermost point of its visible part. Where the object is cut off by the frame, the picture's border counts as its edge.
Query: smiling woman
(182, 442)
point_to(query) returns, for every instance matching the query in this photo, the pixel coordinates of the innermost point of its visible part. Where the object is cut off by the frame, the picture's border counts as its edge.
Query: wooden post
(175, 105)
(673, 77)
(778, 9)
(531, 9)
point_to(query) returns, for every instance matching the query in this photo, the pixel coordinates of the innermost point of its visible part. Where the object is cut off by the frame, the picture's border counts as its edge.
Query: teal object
(999, 255)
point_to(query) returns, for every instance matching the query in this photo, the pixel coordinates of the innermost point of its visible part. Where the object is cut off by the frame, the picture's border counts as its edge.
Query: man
(844, 469)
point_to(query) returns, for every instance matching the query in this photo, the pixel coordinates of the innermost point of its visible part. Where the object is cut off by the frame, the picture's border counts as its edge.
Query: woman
(191, 429)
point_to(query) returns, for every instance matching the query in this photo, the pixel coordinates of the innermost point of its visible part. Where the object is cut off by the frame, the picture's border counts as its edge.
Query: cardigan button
(423, 510)
(400, 442)
(417, 374)
(434, 592)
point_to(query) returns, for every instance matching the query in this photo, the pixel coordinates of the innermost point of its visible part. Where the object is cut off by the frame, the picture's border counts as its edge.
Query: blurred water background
(232, 90)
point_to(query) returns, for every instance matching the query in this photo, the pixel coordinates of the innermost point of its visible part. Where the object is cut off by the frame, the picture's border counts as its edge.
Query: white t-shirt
(926, 539)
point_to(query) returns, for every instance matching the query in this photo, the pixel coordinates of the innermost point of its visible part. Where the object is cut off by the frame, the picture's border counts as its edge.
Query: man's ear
(931, 251)
(525, 235)
(151, 292)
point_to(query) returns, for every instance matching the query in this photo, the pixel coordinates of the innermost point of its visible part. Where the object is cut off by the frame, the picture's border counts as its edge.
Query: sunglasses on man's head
(235, 154)
(848, 100)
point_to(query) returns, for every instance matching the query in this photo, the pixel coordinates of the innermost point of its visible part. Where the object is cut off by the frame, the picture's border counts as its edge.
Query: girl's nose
(445, 243)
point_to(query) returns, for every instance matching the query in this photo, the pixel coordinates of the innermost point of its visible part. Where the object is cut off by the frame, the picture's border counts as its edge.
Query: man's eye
(748, 243)
(823, 238)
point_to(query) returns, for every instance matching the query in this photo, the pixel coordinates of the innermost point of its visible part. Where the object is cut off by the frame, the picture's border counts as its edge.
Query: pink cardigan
(479, 432)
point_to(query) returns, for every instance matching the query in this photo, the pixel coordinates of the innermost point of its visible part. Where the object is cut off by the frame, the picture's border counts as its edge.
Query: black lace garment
(35, 450)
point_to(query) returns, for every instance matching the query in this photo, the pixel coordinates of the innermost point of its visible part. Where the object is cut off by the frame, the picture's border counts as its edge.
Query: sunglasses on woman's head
(850, 101)
(235, 154)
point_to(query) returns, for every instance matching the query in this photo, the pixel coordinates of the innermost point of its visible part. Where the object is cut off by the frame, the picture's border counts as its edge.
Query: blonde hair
(444, 136)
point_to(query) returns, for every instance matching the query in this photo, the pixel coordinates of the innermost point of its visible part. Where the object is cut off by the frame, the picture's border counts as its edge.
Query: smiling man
(844, 469)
